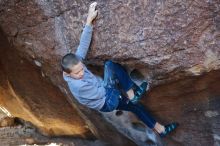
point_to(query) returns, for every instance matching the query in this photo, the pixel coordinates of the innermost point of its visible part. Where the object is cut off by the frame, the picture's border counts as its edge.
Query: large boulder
(173, 44)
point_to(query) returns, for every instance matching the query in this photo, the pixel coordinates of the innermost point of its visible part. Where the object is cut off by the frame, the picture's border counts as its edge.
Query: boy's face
(77, 71)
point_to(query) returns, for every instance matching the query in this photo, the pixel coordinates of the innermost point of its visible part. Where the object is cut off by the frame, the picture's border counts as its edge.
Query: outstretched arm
(87, 32)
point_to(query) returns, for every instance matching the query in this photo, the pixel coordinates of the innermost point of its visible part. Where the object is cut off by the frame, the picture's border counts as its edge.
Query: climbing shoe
(168, 128)
(139, 91)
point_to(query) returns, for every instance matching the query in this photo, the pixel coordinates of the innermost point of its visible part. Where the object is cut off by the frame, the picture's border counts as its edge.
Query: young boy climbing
(105, 95)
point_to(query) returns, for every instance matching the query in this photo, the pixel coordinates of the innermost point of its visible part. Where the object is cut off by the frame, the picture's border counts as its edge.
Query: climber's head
(72, 66)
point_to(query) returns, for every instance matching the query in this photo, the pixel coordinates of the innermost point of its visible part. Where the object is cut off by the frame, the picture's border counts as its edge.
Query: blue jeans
(116, 78)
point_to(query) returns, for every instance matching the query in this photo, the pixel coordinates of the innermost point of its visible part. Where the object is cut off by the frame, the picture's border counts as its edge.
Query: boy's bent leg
(145, 117)
(138, 110)
(116, 71)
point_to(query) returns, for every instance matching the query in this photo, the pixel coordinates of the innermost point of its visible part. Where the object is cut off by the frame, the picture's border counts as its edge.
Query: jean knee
(108, 64)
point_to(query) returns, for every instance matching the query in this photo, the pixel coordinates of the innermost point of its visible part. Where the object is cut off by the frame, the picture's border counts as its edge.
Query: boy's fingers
(93, 5)
(92, 8)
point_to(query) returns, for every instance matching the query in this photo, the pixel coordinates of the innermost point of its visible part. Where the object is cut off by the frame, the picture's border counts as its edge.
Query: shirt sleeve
(84, 42)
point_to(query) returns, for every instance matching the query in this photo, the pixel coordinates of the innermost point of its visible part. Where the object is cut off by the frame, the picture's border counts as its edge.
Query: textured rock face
(164, 40)
(194, 103)
(166, 37)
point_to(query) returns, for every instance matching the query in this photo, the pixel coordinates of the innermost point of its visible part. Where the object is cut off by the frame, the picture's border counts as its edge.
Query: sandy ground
(24, 134)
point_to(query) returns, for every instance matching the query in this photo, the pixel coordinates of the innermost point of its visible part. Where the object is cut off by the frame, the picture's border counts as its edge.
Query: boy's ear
(66, 74)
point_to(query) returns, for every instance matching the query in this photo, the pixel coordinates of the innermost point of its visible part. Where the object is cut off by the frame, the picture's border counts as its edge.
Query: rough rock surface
(194, 103)
(164, 37)
(164, 40)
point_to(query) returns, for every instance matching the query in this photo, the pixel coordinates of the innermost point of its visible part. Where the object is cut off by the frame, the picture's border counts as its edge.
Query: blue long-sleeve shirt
(89, 90)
